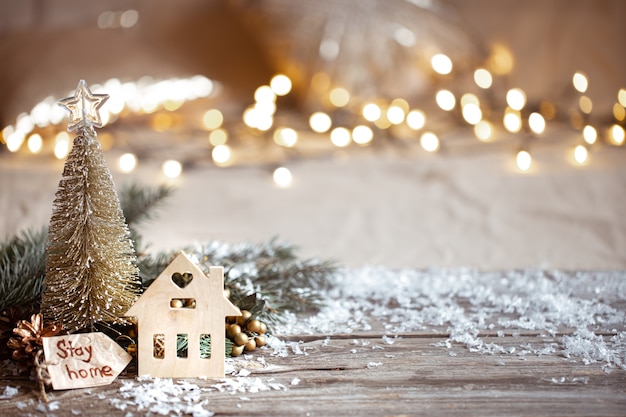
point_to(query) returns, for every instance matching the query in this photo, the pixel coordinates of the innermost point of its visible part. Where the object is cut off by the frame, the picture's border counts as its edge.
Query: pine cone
(27, 341)
(8, 321)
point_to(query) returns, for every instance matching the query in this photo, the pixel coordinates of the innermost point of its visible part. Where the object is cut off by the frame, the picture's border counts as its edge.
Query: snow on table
(404, 342)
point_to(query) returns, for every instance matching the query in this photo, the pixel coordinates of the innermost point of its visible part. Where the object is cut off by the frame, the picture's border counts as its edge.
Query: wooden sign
(83, 360)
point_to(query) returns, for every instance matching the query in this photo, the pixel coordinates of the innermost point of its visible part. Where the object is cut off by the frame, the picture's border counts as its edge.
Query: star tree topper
(83, 107)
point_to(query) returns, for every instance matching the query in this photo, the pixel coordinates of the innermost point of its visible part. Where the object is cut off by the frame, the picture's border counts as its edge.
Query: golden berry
(250, 346)
(233, 331)
(254, 326)
(237, 350)
(260, 340)
(245, 316)
(241, 339)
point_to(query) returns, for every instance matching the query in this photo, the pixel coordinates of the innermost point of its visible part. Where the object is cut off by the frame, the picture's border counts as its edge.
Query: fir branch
(150, 266)
(22, 268)
(205, 346)
(139, 203)
(272, 271)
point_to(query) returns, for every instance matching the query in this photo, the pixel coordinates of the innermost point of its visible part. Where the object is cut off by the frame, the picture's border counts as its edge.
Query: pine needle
(139, 203)
(22, 268)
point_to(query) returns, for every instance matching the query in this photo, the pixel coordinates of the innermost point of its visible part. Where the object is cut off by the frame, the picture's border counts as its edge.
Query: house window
(205, 346)
(158, 346)
(182, 345)
(183, 303)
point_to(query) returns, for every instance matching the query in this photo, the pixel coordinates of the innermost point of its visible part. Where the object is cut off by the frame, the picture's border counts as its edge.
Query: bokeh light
(579, 80)
(523, 160)
(472, 113)
(416, 119)
(362, 135)
(537, 123)
(127, 162)
(516, 98)
(585, 104)
(617, 134)
(218, 137)
(371, 112)
(339, 97)
(580, 154)
(340, 137)
(61, 145)
(282, 177)
(320, 122)
(441, 63)
(212, 119)
(512, 121)
(483, 78)
(172, 168)
(221, 154)
(429, 141)
(590, 134)
(483, 130)
(286, 136)
(445, 100)
(35, 143)
(280, 85)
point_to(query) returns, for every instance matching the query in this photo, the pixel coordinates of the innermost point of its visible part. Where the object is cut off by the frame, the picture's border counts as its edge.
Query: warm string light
(429, 141)
(617, 134)
(147, 96)
(286, 136)
(536, 123)
(441, 64)
(282, 177)
(445, 100)
(483, 130)
(221, 155)
(143, 96)
(590, 134)
(127, 162)
(362, 135)
(523, 160)
(581, 154)
(172, 168)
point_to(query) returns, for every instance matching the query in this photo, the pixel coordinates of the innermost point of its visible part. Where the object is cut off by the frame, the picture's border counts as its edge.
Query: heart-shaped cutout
(182, 280)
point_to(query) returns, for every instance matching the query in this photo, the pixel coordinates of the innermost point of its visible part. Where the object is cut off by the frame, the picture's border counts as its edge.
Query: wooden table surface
(362, 375)
(372, 372)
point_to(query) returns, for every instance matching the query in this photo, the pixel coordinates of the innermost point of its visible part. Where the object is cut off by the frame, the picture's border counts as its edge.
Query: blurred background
(407, 133)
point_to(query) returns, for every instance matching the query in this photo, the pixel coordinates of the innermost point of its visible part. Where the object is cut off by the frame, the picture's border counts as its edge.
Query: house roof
(208, 291)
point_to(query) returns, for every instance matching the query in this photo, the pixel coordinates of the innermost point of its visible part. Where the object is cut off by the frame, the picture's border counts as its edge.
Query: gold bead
(260, 340)
(254, 326)
(241, 339)
(250, 346)
(237, 350)
(245, 316)
(263, 328)
(233, 331)
(176, 303)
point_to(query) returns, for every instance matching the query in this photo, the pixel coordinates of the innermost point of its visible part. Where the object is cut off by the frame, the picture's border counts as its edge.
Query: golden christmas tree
(91, 272)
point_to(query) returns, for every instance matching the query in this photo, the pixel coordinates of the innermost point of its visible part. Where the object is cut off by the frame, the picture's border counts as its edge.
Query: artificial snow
(465, 305)
(162, 397)
(9, 392)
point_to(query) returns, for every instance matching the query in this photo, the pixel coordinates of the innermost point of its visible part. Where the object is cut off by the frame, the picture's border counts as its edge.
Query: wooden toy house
(182, 307)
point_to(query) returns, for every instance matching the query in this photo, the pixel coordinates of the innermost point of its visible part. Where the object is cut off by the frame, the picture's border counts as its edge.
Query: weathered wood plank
(362, 375)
